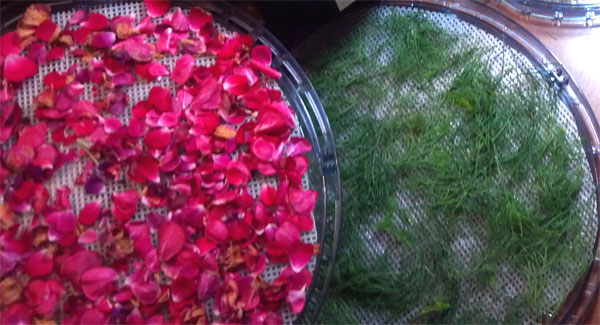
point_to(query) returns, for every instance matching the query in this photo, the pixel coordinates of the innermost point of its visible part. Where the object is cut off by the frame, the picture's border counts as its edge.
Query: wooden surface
(579, 51)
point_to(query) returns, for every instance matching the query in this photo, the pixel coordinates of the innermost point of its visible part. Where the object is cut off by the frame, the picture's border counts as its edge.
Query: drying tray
(489, 25)
(572, 13)
(322, 175)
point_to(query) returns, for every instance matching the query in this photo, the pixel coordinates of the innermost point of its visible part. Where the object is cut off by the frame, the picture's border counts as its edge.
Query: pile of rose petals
(192, 150)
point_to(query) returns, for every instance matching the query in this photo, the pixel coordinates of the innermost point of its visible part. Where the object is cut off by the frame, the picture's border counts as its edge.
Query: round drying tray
(479, 25)
(322, 175)
(573, 13)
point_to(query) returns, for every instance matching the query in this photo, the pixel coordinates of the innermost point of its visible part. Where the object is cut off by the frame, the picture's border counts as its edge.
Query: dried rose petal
(44, 295)
(64, 221)
(18, 68)
(160, 98)
(268, 195)
(179, 21)
(98, 282)
(89, 214)
(93, 316)
(182, 288)
(237, 85)
(183, 69)
(17, 313)
(263, 149)
(103, 40)
(136, 128)
(238, 173)
(157, 8)
(94, 185)
(87, 237)
(39, 264)
(287, 234)
(148, 168)
(260, 59)
(158, 138)
(300, 254)
(146, 26)
(77, 17)
(46, 30)
(151, 71)
(302, 201)
(198, 18)
(10, 43)
(95, 21)
(136, 49)
(112, 125)
(216, 231)
(209, 97)
(298, 146)
(171, 239)
(55, 53)
(124, 205)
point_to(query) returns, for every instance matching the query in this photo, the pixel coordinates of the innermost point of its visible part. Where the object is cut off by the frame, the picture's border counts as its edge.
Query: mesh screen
(470, 239)
(66, 175)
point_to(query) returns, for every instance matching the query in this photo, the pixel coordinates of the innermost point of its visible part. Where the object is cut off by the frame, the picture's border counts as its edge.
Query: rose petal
(182, 288)
(157, 8)
(135, 49)
(78, 17)
(263, 149)
(148, 167)
(237, 173)
(164, 40)
(302, 201)
(171, 239)
(300, 254)
(87, 237)
(136, 128)
(46, 30)
(151, 71)
(208, 284)
(10, 43)
(298, 146)
(17, 313)
(98, 282)
(158, 138)
(183, 69)
(268, 195)
(40, 264)
(209, 97)
(45, 156)
(205, 124)
(204, 245)
(18, 68)
(89, 214)
(161, 98)
(93, 316)
(95, 21)
(287, 234)
(94, 185)
(103, 40)
(55, 53)
(64, 221)
(147, 292)
(198, 18)
(216, 231)
(111, 125)
(237, 85)
(179, 21)
(124, 205)
(146, 26)
(73, 266)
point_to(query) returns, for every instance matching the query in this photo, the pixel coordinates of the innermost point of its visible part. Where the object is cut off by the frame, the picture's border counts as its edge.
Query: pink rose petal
(98, 282)
(268, 195)
(148, 168)
(302, 201)
(95, 21)
(103, 40)
(55, 53)
(136, 128)
(179, 21)
(298, 146)
(93, 316)
(263, 149)
(183, 69)
(216, 231)
(198, 18)
(151, 71)
(87, 237)
(10, 43)
(182, 288)
(18, 68)
(78, 17)
(158, 138)
(157, 8)
(46, 30)
(237, 173)
(237, 85)
(160, 98)
(89, 214)
(300, 254)
(124, 205)
(146, 26)
(40, 264)
(111, 125)
(287, 234)
(73, 266)
(64, 221)
(171, 239)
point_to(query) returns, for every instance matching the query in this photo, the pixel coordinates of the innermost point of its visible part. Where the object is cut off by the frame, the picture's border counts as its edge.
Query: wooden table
(579, 51)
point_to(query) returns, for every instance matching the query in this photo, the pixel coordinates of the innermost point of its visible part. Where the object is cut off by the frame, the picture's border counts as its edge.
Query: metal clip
(590, 16)
(558, 17)
(556, 75)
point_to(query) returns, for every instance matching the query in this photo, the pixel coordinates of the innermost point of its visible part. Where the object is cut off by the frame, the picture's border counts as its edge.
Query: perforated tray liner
(67, 174)
(493, 302)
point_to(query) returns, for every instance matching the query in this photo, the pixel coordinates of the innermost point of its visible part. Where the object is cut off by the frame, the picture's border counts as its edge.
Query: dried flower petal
(98, 282)
(160, 98)
(263, 149)
(216, 231)
(124, 205)
(237, 173)
(300, 254)
(198, 18)
(87, 237)
(10, 43)
(182, 288)
(18, 68)
(89, 214)
(183, 69)
(298, 146)
(103, 40)
(55, 53)
(11, 290)
(157, 8)
(151, 71)
(158, 138)
(95, 21)
(171, 238)
(44, 295)
(94, 185)
(46, 30)
(237, 85)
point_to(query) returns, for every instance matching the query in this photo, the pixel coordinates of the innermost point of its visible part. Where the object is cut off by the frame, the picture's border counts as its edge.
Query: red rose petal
(206, 124)
(157, 8)
(87, 237)
(80, 35)
(78, 17)
(10, 43)
(298, 146)
(262, 54)
(55, 80)
(146, 26)
(300, 254)
(103, 40)
(182, 288)
(151, 71)
(46, 30)
(183, 69)
(237, 173)
(216, 231)
(112, 125)
(198, 18)
(161, 98)
(89, 214)
(73, 266)
(171, 239)
(55, 53)
(136, 128)
(179, 21)
(237, 85)
(39, 264)
(98, 282)
(158, 138)
(209, 97)
(93, 316)
(287, 234)
(204, 245)
(95, 21)
(148, 167)
(64, 221)
(124, 205)
(18, 68)
(147, 292)
(263, 149)
(268, 195)
(302, 201)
